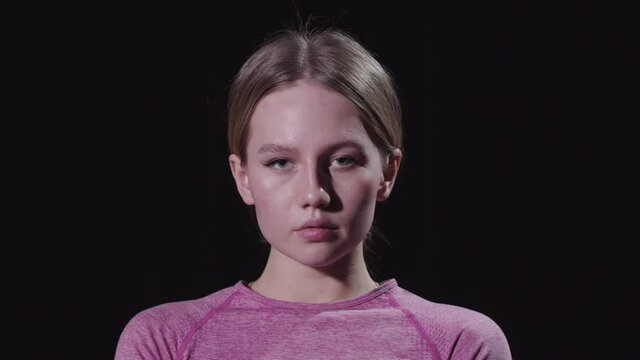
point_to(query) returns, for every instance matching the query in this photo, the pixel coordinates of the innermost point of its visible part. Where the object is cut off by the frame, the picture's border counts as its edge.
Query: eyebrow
(276, 148)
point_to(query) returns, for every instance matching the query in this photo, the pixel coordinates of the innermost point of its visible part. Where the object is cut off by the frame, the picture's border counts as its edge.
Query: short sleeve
(481, 340)
(145, 337)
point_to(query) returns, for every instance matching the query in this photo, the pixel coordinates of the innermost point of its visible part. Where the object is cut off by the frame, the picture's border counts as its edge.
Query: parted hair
(329, 57)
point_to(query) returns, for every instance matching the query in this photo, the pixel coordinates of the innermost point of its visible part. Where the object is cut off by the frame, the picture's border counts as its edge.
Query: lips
(317, 230)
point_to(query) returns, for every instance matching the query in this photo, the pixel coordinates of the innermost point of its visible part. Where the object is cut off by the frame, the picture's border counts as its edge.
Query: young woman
(315, 142)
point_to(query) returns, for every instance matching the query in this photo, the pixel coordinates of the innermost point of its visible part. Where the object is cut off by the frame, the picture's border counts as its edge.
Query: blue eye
(280, 164)
(343, 161)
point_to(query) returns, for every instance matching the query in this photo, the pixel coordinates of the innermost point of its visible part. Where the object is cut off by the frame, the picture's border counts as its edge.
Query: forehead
(306, 114)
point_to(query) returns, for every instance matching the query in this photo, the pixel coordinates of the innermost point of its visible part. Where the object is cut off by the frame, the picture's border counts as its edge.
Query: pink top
(238, 323)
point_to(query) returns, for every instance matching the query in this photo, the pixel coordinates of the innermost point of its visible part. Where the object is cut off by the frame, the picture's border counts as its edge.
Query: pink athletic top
(238, 323)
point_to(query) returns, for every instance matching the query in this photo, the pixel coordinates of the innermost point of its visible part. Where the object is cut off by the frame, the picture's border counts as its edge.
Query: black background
(507, 202)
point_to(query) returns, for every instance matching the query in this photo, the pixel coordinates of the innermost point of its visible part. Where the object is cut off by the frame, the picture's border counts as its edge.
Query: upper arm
(146, 337)
(481, 340)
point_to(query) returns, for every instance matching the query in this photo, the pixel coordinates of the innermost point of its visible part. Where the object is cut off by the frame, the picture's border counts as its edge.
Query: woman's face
(312, 172)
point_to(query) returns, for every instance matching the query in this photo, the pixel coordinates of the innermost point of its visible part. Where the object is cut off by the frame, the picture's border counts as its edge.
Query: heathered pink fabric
(238, 323)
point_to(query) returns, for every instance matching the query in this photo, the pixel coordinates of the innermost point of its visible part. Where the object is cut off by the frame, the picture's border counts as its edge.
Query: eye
(343, 161)
(280, 164)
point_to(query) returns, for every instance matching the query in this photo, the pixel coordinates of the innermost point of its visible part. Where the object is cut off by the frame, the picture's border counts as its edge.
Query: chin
(319, 257)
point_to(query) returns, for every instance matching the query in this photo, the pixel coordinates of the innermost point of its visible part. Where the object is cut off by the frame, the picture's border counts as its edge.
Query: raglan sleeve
(481, 340)
(146, 337)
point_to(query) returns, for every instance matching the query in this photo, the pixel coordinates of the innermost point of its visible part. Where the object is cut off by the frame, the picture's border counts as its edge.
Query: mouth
(317, 234)
(317, 230)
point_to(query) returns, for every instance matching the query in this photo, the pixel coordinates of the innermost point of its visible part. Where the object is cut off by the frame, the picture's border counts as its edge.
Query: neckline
(384, 286)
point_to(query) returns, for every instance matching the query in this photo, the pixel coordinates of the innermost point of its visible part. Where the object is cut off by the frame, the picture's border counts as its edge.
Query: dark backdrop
(507, 202)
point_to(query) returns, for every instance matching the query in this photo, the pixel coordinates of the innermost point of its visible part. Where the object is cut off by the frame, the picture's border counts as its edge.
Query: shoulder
(158, 332)
(459, 332)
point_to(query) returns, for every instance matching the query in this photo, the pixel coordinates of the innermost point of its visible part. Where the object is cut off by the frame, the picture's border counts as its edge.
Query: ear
(242, 179)
(389, 173)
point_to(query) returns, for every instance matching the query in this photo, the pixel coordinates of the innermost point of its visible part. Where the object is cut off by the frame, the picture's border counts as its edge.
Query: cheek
(358, 189)
(269, 214)
(270, 201)
(264, 196)
(359, 198)
(359, 208)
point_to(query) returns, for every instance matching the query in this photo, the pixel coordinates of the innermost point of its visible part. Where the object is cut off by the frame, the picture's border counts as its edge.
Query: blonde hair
(329, 57)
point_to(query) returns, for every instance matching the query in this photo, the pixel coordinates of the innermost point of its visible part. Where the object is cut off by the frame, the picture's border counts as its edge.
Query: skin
(309, 158)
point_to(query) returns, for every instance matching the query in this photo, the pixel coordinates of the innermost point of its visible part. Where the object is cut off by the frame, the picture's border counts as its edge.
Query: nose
(312, 192)
(316, 198)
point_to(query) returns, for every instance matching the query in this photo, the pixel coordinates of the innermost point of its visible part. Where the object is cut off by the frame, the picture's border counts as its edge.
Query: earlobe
(242, 179)
(389, 174)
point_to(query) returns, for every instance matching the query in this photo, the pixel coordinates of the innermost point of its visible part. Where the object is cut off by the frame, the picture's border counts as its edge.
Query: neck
(286, 279)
